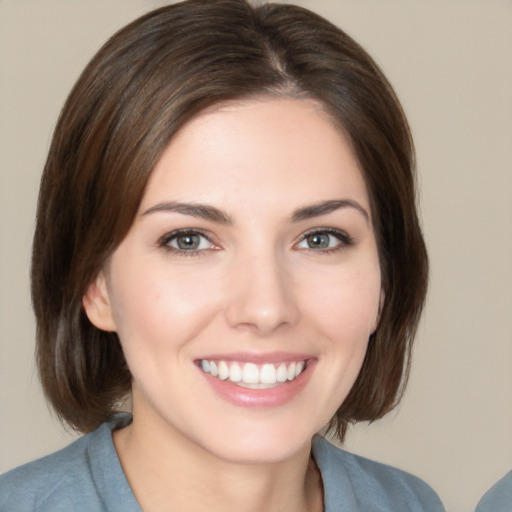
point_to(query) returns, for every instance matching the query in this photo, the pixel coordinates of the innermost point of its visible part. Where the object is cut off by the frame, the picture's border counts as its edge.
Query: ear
(96, 302)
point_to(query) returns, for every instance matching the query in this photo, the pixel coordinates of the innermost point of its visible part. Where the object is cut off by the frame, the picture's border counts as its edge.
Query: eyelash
(345, 240)
(169, 237)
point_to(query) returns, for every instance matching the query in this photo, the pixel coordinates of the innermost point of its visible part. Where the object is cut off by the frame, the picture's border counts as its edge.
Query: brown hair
(145, 83)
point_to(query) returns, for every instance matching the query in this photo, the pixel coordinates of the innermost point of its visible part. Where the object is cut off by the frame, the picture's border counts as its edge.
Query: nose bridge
(262, 295)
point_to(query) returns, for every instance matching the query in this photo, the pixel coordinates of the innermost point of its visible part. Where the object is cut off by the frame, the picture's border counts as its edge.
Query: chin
(258, 442)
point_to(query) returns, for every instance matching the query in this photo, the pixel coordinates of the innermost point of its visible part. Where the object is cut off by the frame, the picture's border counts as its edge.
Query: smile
(250, 375)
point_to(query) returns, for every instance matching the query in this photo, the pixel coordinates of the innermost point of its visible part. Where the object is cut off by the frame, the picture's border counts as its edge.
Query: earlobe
(96, 302)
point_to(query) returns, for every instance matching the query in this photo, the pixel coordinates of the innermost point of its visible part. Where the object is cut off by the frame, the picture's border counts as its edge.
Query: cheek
(346, 305)
(160, 309)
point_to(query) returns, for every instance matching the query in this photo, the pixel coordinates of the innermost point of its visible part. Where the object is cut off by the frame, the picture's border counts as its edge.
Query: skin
(257, 285)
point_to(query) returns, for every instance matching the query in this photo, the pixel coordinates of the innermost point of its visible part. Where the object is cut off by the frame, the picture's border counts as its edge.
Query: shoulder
(358, 483)
(62, 481)
(499, 497)
(31, 486)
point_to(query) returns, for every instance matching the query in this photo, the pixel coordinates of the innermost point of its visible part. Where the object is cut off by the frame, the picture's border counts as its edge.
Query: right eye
(186, 242)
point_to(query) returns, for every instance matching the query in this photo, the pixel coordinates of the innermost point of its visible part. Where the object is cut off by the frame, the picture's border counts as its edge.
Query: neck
(167, 471)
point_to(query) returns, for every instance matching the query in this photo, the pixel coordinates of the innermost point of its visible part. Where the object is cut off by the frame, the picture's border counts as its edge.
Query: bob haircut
(146, 83)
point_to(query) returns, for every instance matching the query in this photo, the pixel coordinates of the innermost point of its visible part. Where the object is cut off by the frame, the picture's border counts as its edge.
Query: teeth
(250, 374)
(282, 373)
(268, 374)
(291, 371)
(235, 373)
(254, 376)
(223, 371)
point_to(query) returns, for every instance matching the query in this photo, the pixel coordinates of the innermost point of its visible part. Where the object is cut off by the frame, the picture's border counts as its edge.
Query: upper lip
(257, 358)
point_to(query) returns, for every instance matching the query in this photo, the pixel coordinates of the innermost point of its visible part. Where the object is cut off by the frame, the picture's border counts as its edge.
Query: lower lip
(260, 398)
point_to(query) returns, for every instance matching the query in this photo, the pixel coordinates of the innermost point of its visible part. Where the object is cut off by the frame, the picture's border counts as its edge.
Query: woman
(227, 235)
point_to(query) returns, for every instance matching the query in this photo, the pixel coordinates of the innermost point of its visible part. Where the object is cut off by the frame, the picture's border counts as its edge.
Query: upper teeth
(252, 375)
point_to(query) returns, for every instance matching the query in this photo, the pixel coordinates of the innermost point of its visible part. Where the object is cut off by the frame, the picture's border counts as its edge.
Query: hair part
(146, 83)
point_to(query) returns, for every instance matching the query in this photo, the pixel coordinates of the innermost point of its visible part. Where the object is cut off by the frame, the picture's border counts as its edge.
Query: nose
(261, 296)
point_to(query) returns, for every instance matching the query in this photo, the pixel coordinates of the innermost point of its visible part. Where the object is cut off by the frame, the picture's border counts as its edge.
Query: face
(248, 285)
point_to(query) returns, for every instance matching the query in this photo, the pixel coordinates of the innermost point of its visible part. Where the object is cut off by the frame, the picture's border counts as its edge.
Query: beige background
(451, 63)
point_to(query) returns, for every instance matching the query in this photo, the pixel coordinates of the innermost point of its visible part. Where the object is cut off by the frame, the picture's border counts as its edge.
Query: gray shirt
(87, 477)
(499, 497)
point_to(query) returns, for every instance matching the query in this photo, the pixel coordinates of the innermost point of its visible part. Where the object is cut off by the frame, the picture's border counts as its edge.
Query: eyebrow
(201, 211)
(325, 207)
(213, 214)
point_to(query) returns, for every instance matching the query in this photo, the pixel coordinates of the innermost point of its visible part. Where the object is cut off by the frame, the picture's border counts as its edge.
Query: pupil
(188, 242)
(318, 241)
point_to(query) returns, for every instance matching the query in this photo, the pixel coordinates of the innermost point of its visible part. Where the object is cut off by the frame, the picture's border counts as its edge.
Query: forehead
(258, 152)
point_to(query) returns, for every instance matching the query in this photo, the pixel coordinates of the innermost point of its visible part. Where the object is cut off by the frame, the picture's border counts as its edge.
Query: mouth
(251, 375)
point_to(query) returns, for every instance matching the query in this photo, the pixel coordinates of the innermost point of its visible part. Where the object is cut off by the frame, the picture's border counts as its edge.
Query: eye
(186, 241)
(324, 240)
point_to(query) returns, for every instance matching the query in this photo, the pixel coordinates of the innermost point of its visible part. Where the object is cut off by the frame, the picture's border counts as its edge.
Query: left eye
(322, 240)
(188, 241)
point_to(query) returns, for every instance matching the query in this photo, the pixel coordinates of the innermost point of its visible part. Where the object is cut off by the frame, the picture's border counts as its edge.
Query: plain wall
(451, 64)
